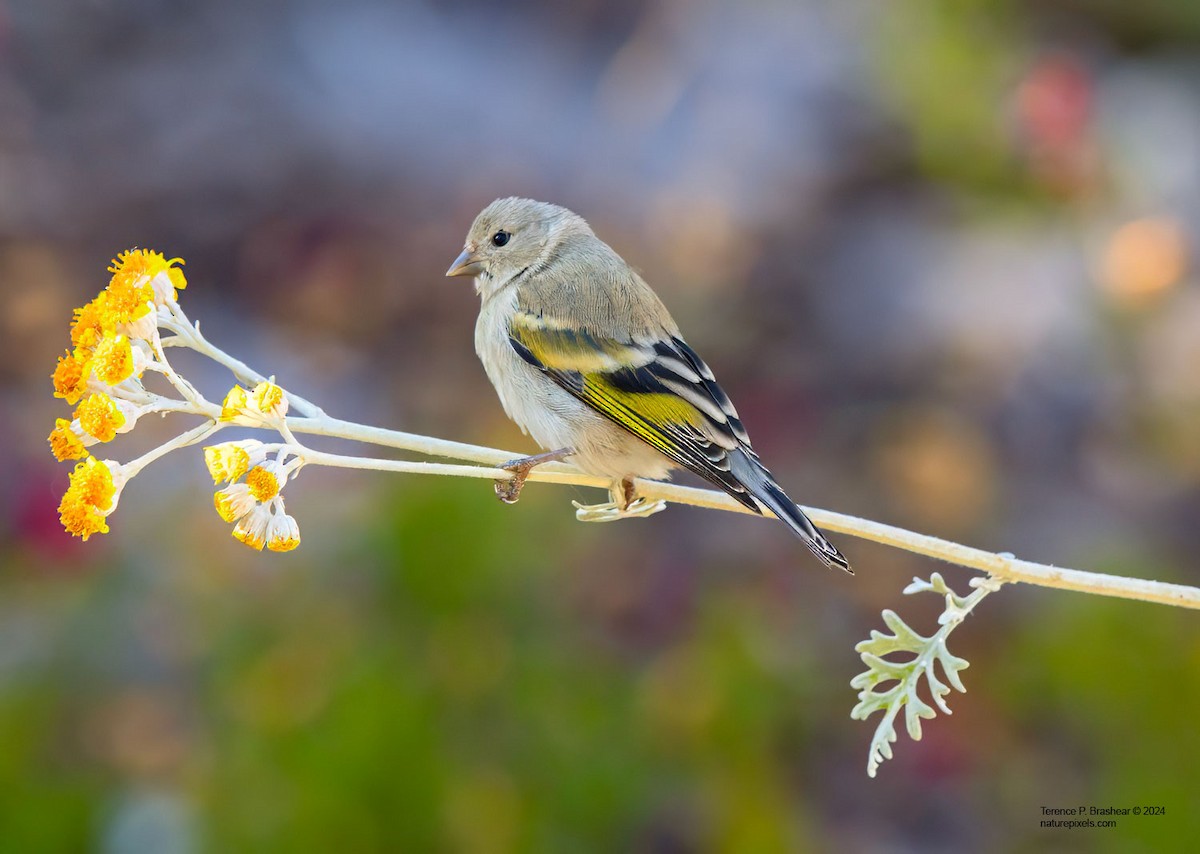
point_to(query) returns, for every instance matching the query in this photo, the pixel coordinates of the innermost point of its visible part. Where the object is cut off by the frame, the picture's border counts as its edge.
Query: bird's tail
(759, 482)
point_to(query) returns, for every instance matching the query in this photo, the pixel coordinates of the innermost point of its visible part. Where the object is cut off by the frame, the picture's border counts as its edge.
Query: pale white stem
(338, 429)
(128, 391)
(576, 478)
(288, 435)
(320, 458)
(202, 408)
(185, 389)
(1007, 567)
(188, 335)
(190, 437)
(1002, 566)
(166, 404)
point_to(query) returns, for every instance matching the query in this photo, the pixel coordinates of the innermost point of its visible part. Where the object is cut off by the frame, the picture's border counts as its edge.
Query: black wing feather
(692, 448)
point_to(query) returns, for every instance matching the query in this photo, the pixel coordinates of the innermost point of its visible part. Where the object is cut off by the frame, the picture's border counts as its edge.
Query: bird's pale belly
(553, 417)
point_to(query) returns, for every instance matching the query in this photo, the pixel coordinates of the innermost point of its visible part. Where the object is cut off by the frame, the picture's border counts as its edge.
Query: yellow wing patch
(567, 349)
(654, 418)
(623, 382)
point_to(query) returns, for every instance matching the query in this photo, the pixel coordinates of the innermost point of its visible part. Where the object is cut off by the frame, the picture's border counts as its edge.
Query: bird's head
(510, 237)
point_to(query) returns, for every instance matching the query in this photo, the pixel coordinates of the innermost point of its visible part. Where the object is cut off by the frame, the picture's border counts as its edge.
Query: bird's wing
(658, 389)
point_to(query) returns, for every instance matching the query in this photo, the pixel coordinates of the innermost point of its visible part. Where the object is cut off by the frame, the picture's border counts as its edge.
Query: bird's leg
(509, 491)
(625, 504)
(628, 494)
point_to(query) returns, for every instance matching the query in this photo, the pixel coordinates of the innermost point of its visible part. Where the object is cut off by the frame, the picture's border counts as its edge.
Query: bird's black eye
(500, 238)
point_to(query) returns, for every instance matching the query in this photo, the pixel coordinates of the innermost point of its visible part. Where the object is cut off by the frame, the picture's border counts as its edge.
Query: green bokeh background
(907, 235)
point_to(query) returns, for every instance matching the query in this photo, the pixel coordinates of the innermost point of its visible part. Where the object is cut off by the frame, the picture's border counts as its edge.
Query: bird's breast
(532, 400)
(553, 417)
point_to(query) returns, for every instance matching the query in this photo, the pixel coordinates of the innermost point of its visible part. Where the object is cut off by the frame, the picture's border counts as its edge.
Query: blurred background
(941, 254)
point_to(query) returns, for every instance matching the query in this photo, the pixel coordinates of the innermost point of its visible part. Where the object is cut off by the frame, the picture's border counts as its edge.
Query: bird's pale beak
(465, 265)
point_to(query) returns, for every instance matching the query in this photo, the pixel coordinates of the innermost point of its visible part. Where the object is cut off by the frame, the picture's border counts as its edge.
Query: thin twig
(184, 328)
(339, 429)
(1002, 566)
(197, 434)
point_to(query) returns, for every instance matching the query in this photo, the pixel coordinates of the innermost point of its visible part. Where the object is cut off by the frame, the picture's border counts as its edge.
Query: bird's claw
(611, 511)
(509, 491)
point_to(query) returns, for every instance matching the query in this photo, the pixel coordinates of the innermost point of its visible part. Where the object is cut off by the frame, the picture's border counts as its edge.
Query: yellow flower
(65, 443)
(283, 534)
(92, 482)
(99, 416)
(251, 529)
(143, 268)
(269, 399)
(234, 404)
(227, 461)
(79, 519)
(112, 359)
(265, 481)
(234, 501)
(88, 325)
(142, 328)
(88, 499)
(167, 283)
(71, 375)
(126, 302)
(265, 403)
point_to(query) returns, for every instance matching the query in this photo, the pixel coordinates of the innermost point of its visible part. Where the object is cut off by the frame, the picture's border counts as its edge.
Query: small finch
(587, 360)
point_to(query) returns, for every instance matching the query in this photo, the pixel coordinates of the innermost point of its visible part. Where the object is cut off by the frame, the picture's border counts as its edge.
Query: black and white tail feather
(760, 484)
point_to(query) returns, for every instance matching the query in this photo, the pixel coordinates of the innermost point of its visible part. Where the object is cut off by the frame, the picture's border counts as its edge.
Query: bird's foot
(610, 512)
(625, 504)
(509, 490)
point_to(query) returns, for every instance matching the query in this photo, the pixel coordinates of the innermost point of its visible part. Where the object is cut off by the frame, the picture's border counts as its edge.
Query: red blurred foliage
(33, 502)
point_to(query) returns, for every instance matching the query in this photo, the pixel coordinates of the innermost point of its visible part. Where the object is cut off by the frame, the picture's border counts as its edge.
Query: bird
(587, 361)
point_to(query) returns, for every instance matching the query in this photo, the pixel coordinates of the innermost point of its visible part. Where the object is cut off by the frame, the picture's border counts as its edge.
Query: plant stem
(1002, 566)
(320, 458)
(189, 335)
(339, 429)
(190, 437)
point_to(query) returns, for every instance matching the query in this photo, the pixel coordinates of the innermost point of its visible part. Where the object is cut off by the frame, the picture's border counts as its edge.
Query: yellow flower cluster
(110, 340)
(104, 330)
(254, 506)
(114, 339)
(264, 403)
(90, 497)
